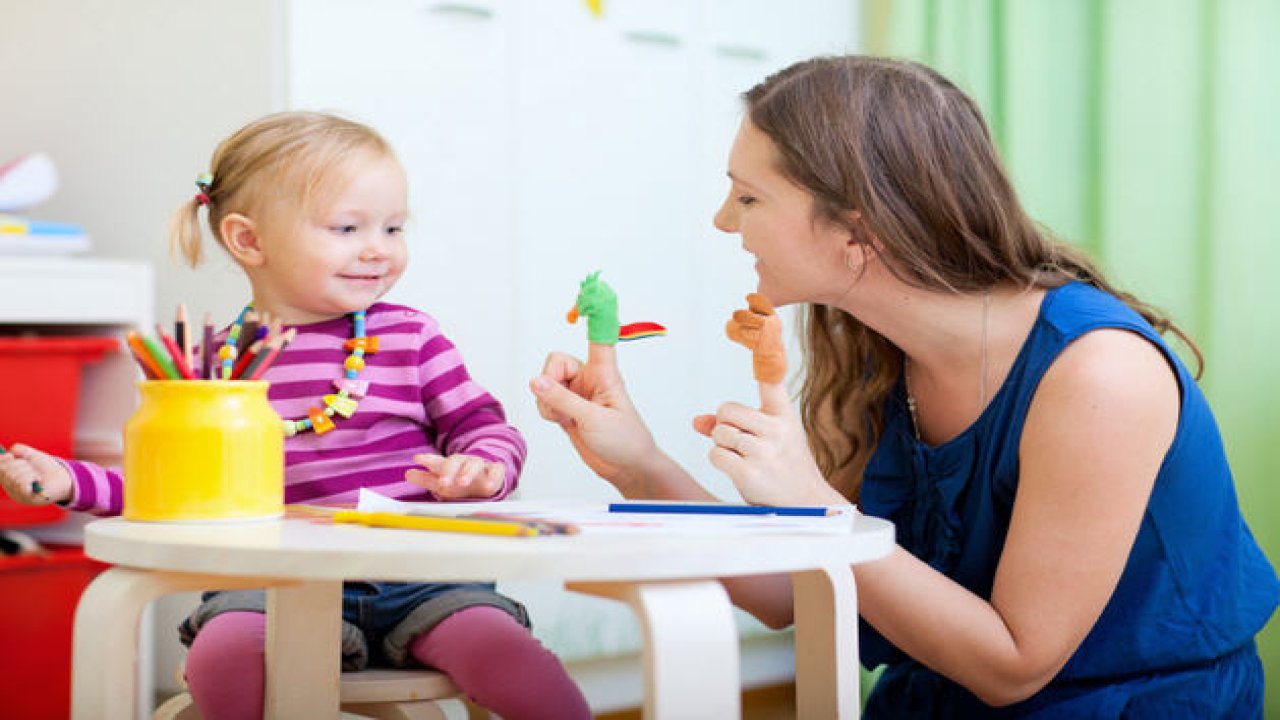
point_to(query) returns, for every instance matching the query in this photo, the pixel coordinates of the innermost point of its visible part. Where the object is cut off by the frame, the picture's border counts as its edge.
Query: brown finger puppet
(759, 329)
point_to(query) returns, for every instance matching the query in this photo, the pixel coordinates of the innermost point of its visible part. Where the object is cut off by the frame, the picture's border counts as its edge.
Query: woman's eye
(746, 200)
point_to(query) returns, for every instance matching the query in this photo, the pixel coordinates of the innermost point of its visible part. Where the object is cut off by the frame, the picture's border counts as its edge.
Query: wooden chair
(378, 694)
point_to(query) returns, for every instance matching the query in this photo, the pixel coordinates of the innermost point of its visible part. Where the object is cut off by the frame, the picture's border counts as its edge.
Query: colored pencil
(168, 371)
(545, 527)
(719, 509)
(248, 332)
(182, 335)
(260, 364)
(238, 371)
(206, 349)
(175, 354)
(150, 367)
(442, 523)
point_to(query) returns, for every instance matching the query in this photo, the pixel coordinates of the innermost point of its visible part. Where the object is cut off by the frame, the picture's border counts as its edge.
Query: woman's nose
(723, 219)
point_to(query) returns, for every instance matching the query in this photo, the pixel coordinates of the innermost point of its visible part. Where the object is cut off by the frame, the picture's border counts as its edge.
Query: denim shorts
(379, 620)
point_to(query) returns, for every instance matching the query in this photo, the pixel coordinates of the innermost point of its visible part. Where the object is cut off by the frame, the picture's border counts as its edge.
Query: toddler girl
(312, 207)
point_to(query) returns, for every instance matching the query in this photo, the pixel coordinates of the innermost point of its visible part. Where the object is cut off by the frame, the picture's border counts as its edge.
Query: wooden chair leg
(412, 710)
(178, 707)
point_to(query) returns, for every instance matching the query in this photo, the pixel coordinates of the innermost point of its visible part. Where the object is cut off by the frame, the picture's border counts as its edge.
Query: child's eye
(395, 230)
(345, 229)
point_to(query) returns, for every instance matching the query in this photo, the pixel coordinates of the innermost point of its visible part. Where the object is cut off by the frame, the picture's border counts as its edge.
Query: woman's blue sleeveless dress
(1176, 639)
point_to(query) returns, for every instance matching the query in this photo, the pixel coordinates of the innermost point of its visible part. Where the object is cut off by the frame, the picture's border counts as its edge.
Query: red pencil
(179, 361)
(238, 371)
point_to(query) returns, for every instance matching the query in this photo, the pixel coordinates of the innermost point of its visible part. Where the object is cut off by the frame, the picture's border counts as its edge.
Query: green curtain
(1148, 132)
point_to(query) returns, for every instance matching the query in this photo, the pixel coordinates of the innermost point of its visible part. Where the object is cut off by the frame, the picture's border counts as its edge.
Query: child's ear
(240, 236)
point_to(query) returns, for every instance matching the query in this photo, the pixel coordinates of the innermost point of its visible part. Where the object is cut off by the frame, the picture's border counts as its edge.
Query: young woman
(1070, 543)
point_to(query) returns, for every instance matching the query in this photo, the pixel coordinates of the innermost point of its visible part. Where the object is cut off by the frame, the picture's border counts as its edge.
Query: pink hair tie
(203, 183)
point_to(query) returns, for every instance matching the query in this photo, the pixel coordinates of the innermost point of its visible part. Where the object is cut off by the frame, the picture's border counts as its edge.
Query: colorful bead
(364, 344)
(352, 387)
(341, 405)
(319, 421)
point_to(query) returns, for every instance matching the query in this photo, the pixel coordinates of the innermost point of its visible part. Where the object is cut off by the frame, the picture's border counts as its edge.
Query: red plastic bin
(42, 387)
(38, 596)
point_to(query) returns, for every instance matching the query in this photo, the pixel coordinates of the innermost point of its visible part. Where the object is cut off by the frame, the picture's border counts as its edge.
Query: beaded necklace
(350, 387)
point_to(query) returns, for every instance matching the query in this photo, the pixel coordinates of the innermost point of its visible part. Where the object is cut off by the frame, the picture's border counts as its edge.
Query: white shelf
(75, 291)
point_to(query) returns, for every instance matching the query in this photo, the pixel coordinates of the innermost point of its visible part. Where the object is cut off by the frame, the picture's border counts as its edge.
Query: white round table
(690, 640)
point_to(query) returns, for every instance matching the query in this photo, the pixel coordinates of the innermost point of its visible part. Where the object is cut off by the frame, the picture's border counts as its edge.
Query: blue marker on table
(720, 509)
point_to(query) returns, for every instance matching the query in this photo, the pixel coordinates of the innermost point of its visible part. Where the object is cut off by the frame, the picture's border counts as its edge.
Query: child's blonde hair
(290, 157)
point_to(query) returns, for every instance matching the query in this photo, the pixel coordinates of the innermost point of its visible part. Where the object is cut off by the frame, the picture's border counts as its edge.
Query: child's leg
(225, 666)
(501, 666)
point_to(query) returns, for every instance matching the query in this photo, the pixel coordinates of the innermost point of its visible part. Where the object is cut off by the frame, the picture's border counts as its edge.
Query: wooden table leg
(105, 652)
(304, 632)
(827, 668)
(690, 652)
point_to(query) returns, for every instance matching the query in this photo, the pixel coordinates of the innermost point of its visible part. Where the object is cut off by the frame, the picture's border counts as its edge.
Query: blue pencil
(719, 509)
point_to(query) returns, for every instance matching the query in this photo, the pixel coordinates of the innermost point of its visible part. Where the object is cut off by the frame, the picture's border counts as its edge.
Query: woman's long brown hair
(906, 149)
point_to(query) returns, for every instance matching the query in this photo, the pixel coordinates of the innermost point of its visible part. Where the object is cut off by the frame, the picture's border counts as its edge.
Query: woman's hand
(32, 477)
(457, 477)
(765, 452)
(589, 402)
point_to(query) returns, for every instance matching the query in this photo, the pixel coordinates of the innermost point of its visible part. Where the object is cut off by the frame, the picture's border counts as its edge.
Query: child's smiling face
(344, 254)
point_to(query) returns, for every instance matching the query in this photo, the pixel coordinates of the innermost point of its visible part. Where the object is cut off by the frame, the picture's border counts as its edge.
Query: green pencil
(161, 356)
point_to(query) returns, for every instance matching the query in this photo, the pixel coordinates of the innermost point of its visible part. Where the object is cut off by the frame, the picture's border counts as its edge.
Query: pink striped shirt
(420, 400)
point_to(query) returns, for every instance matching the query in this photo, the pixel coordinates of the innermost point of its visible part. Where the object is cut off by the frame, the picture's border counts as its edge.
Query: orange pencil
(179, 361)
(149, 366)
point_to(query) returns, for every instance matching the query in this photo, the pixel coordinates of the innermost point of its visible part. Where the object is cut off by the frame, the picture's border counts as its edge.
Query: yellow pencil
(504, 528)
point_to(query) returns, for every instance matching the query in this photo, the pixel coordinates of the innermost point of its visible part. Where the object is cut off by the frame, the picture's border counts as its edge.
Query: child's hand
(34, 478)
(458, 476)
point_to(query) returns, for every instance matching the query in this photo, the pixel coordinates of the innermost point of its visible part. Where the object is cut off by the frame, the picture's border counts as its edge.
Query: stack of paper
(24, 183)
(21, 236)
(602, 518)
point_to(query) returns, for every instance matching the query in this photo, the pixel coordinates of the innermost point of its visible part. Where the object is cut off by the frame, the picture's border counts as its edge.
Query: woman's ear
(861, 234)
(240, 236)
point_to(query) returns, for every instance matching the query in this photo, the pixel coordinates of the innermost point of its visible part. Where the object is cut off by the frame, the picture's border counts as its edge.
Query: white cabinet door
(607, 117)
(434, 78)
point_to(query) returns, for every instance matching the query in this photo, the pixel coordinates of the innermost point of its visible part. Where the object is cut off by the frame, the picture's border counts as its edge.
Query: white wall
(129, 98)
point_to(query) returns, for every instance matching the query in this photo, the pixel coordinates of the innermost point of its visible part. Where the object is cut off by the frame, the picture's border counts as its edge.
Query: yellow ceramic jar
(203, 450)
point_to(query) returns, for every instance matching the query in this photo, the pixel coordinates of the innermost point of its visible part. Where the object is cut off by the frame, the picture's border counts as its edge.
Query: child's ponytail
(184, 232)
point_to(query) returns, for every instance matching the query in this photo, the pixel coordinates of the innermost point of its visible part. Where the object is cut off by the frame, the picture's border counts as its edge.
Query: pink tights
(493, 658)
